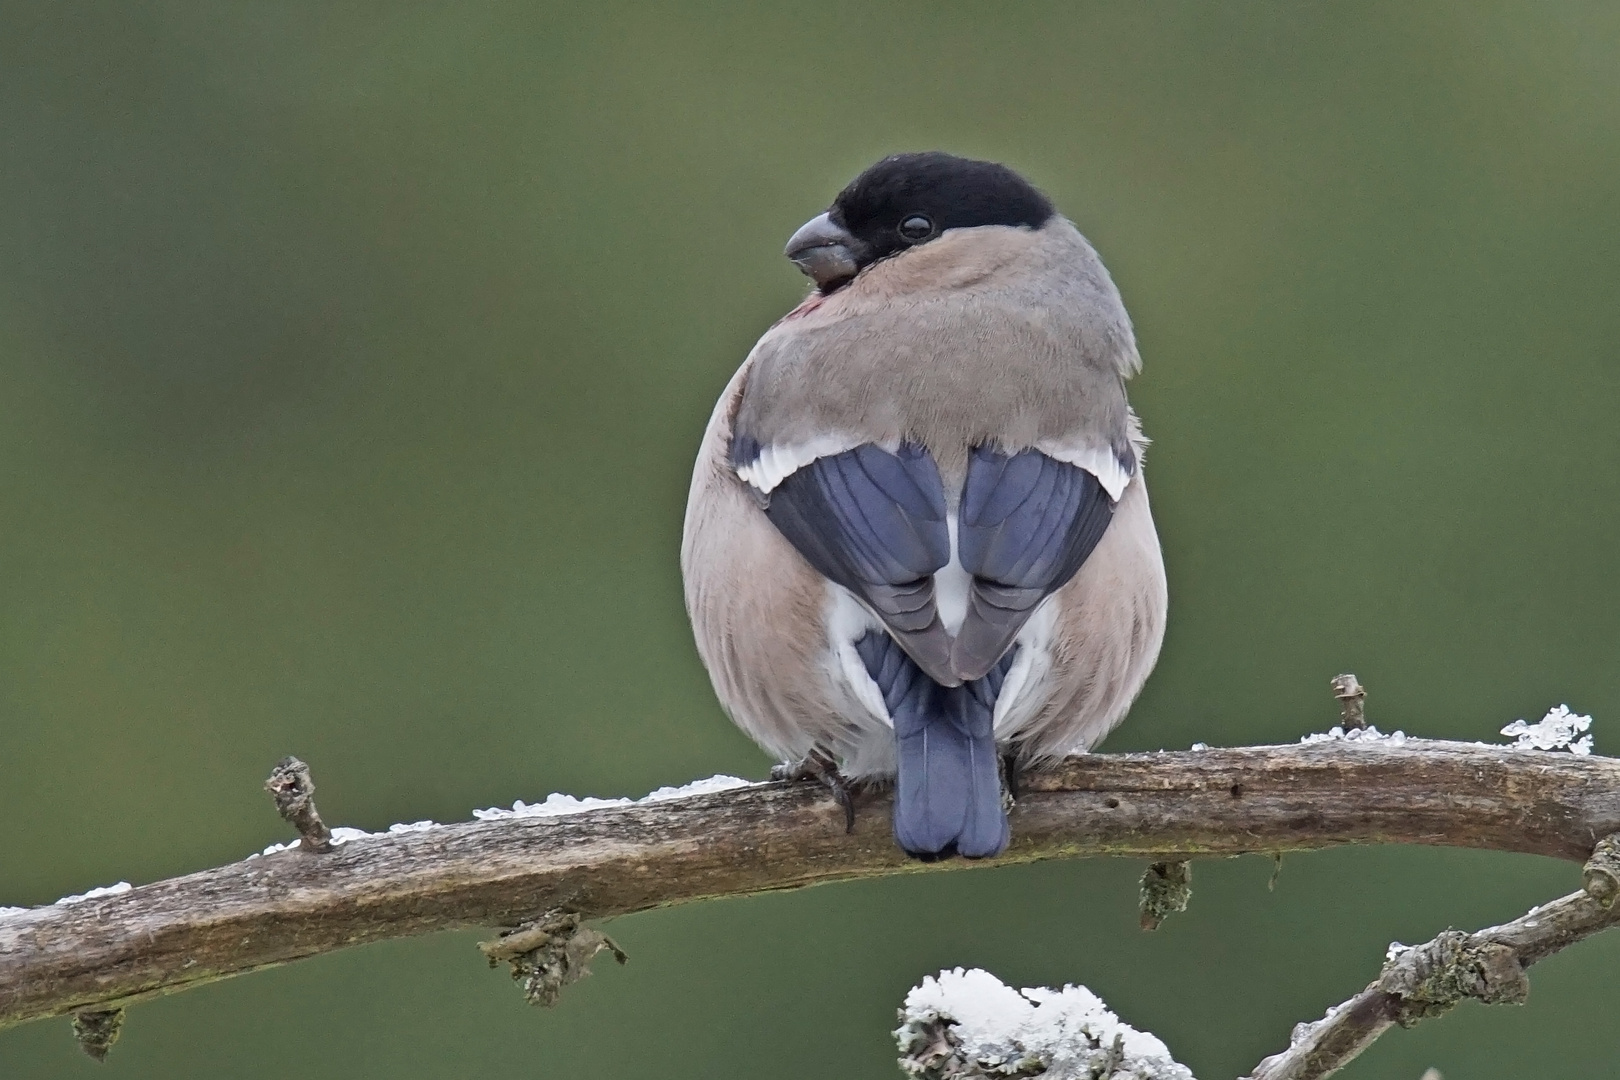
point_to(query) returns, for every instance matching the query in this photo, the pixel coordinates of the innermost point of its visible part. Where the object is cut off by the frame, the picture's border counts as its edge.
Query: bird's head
(906, 201)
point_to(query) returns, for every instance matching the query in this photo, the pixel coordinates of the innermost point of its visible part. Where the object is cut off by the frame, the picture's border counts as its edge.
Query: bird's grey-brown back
(995, 334)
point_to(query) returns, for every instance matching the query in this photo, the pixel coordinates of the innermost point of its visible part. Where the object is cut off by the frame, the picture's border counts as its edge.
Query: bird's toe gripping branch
(818, 765)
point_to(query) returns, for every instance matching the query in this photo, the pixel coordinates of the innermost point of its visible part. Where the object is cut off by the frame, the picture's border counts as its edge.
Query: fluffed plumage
(918, 535)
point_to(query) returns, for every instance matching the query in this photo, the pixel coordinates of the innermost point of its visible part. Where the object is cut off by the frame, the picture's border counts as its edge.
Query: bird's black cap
(909, 199)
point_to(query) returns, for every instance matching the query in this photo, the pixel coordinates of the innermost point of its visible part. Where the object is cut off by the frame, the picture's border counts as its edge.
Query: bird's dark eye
(916, 227)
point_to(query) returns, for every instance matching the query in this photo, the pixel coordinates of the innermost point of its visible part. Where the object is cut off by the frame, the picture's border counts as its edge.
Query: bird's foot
(818, 765)
(1012, 775)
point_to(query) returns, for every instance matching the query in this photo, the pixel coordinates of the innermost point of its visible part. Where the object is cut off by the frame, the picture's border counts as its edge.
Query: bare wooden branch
(968, 1025)
(106, 952)
(1426, 980)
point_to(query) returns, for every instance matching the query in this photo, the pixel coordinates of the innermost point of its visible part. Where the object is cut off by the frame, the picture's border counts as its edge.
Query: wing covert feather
(1027, 523)
(875, 523)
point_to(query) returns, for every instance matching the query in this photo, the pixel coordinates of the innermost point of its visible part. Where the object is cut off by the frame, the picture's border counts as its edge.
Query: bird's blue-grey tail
(947, 796)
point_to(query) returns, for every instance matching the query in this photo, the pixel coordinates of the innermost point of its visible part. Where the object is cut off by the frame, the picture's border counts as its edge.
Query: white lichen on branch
(968, 1024)
(554, 805)
(1368, 734)
(77, 898)
(557, 804)
(1558, 730)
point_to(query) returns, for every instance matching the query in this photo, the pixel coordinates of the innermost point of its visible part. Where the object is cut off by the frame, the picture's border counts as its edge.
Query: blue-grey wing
(1026, 524)
(875, 523)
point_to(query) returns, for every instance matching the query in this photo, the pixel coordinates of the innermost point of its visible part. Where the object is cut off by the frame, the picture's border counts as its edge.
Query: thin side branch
(968, 1025)
(1427, 980)
(106, 952)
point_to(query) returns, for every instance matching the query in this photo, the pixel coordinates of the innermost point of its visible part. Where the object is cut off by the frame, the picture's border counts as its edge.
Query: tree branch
(1427, 980)
(110, 951)
(968, 1025)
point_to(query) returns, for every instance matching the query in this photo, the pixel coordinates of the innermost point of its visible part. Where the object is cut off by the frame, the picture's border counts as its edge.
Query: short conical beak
(825, 251)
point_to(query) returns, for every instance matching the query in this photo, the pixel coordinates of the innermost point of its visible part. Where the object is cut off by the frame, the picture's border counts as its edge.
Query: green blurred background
(352, 361)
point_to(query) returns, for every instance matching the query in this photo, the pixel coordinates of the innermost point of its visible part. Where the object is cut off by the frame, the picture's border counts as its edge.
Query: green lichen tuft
(97, 1030)
(549, 953)
(1429, 979)
(1166, 887)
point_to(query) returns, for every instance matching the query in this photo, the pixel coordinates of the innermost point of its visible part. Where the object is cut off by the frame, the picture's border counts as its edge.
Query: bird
(918, 545)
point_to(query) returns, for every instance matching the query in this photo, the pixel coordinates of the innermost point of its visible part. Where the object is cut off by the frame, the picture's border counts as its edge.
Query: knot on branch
(291, 786)
(549, 953)
(1601, 877)
(1429, 979)
(97, 1030)
(1166, 888)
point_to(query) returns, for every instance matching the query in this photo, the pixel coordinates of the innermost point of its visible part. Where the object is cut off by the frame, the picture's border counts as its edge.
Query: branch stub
(293, 790)
(1601, 876)
(1352, 701)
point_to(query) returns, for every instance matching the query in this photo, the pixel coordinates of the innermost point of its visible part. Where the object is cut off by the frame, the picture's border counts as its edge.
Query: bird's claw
(818, 765)
(1012, 774)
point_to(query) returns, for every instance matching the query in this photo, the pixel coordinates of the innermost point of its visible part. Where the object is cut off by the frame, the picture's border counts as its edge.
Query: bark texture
(171, 935)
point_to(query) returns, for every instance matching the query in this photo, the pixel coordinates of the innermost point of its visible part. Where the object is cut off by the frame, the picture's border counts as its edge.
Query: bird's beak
(825, 252)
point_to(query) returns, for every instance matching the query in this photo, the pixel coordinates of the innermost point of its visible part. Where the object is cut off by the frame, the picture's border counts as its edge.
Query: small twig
(1116, 1055)
(294, 792)
(1166, 887)
(97, 1030)
(1352, 701)
(549, 953)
